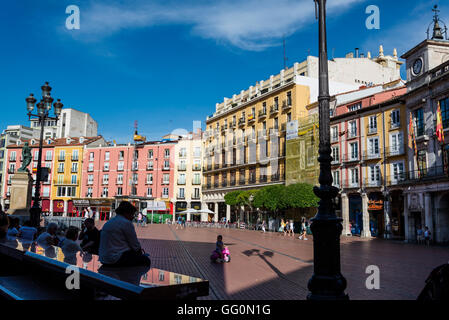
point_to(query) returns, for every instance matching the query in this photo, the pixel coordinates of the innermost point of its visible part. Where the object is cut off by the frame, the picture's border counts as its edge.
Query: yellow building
(67, 172)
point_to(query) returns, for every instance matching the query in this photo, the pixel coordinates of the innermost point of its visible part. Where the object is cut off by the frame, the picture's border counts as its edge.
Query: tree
(231, 198)
(300, 195)
(271, 198)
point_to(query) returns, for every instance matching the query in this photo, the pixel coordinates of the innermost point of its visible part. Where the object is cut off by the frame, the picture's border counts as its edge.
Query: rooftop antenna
(285, 56)
(333, 53)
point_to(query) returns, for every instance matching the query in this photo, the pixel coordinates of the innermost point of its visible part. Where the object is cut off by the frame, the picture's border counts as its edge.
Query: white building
(72, 123)
(188, 176)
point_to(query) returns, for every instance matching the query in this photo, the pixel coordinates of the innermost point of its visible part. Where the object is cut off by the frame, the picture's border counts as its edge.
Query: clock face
(417, 66)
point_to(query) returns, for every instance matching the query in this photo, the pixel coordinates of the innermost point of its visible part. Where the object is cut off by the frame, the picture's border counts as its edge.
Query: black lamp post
(327, 282)
(43, 114)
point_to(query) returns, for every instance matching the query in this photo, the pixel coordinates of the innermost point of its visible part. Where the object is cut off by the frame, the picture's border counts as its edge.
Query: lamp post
(43, 113)
(327, 282)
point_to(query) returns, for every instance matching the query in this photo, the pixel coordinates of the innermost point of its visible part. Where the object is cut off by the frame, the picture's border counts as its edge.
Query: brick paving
(271, 266)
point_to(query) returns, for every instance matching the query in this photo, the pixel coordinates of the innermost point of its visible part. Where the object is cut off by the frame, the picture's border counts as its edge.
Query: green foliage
(300, 195)
(271, 198)
(244, 198)
(231, 198)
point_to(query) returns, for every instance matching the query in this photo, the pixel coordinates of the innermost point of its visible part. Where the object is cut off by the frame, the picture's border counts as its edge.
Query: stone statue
(27, 157)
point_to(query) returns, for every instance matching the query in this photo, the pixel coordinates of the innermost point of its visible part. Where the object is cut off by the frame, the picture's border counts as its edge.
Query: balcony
(263, 178)
(251, 118)
(75, 170)
(274, 132)
(275, 177)
(195, 197)
(196, 182)
(75, 158)
(274, 109)
(432, 174)
(119, 182)
(371, 156)
(105, 169)
(395, 151)
(334, 138)
(180, 196)
(181, 182)
(61, 158)
(394, 125)
(224, 128)
(286, 106)
(372, 183)
(349, 184)
(224, 183)
(164, 196)
(182, 167)
(262, 114)
(372, 130)
(196, 167)
(11, 171)
(350, 158)
(233, 124)
(165, 182)
(241, 122)
(241, 182)
(352, 134)
(233, 182)
(149, 168)
(166, 168)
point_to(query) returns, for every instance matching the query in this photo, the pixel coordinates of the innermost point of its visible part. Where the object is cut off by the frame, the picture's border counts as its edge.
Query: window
(48, 156)
(121, 155)
(354, 174)
(60, 179)
(91, 167)
(289, 117)
(74, 179)
(150, 154)
(150, 165)
(167, 153)
(61, 167)
(182, 165)
(373, 146)
(335, 154)
(135, 178)
(398, 172)
(334, 133)
(105, 179)
(197, 151)
(336, 178)
(90, 179)
(106, 166)
(183, 152)
(276, 103)
(419, 122)
(289, 98)
(196, 179)
(12, 156)
(374, 175)
(166, 164)
(396, 143)
(166, 178)
(355, 106)
(352, 129)
(119, 191)
(46, 191)
(149, 178)
(105, 192)
(120, 178)
(444, 105)
(120, 166)
(196, 193)
(149, 192)
(36, 155)
(422, 163)
(135, 165)
(165, 192)
(395, 118)
(372, 128)
(91, 156)
(136, 154)
(182, 179)
(181, 193)
(62, 155)
(75, 167)
(75, 155)
(354, 151)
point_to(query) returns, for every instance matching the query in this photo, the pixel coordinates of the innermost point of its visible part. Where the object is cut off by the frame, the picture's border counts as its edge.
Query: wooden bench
(26, 275)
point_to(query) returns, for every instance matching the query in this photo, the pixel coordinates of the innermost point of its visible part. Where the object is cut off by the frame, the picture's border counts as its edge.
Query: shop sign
(375, 205)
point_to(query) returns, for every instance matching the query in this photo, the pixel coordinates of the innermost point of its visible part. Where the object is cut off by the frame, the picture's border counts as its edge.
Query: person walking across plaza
(283, 226)
(420, 235)
(303, 234)
(263, 226)
(292, 229)
(119, 246)
(179, 223)
(427, 236)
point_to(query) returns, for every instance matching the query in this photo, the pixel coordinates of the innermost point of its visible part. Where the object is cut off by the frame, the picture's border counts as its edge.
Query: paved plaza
(271, 266)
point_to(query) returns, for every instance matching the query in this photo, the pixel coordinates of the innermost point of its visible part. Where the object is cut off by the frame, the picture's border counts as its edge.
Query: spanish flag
(439, 133)
(412, 140)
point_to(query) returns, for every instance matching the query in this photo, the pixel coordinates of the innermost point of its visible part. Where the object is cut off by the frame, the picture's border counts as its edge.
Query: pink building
(142, 174)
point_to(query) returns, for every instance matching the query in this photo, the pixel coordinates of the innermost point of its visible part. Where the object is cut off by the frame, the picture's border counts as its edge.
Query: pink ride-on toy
(226, 255)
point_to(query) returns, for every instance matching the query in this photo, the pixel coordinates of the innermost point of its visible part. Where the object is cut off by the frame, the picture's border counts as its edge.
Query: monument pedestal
(21, 194)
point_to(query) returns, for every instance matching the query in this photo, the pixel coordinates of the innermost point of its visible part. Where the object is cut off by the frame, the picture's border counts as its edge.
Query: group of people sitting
(116, 244)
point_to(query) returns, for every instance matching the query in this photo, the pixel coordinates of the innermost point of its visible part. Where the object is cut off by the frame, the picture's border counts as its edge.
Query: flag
(412, 140)
(439, 132)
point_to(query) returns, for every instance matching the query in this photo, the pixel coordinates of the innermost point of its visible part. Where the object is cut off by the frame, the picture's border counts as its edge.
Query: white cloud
(249, 25)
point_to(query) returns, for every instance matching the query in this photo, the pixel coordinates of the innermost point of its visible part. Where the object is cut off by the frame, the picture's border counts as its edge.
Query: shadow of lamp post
(327, 282)
(43, 114)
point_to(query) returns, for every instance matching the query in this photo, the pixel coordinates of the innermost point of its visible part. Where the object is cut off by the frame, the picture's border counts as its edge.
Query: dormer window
(355, 106)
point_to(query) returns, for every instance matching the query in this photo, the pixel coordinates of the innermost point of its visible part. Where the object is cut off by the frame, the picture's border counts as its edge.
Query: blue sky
(167, 63)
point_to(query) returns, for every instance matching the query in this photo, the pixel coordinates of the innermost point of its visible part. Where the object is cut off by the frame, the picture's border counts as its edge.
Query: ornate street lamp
(43, 113)
(327, 282)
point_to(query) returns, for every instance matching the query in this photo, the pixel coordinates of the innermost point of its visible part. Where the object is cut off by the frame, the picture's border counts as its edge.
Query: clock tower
(427, 55)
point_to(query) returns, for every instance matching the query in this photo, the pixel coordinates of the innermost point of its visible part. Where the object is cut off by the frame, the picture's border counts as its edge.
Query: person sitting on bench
(119, 246)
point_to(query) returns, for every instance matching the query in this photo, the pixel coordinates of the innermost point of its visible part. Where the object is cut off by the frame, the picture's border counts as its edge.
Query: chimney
(356, 52)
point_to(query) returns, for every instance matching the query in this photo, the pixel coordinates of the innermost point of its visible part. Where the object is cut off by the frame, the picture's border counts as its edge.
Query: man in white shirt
(119, 246)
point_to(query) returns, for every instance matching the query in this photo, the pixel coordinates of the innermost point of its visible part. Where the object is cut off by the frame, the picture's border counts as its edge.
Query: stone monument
(21, 186)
